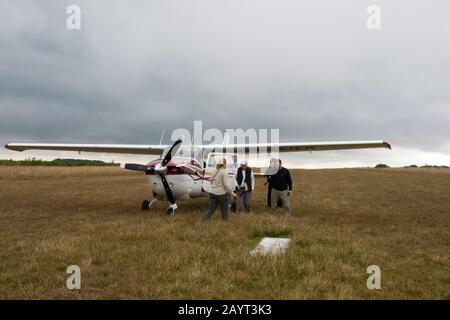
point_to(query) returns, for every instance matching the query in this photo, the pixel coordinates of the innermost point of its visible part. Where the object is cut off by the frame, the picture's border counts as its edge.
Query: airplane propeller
(136, 167)
(161, 170)
(167, 189)
(172, 151)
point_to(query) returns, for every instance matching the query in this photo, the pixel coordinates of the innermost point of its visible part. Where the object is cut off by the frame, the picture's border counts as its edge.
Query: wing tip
(387, 145)
(12, 146)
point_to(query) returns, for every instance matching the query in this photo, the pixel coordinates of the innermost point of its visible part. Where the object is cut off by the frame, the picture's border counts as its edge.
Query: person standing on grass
(281, 188)
(220, 188)
(272, 165)
(245, 184)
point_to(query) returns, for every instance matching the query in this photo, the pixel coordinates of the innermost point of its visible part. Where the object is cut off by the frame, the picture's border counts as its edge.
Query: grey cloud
(311, 69)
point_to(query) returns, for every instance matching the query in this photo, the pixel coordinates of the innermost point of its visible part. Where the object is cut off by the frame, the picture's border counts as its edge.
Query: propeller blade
(169, 193)
(172, 151)
(136, 167)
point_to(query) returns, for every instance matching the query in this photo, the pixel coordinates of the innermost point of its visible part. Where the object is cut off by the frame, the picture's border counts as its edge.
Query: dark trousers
(214, 201)
(269, 199)
(244, 200)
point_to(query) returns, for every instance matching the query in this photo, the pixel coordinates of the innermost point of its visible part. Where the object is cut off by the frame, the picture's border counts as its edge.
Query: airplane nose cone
(159, 169)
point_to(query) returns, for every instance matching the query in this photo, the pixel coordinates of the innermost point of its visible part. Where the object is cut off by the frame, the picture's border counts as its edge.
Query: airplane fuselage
(186, 178)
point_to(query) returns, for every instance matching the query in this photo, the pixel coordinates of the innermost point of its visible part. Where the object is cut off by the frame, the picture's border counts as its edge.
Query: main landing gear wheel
(145, 206)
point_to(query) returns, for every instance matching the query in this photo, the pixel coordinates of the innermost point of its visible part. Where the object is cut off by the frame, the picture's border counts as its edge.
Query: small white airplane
(183, 172)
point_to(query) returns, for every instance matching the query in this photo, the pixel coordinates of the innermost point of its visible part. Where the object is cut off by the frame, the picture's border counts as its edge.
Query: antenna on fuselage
(162, 136)
(227, 136)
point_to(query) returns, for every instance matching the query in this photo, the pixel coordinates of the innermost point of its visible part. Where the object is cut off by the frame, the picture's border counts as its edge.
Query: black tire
(145, 205)
(170, 211)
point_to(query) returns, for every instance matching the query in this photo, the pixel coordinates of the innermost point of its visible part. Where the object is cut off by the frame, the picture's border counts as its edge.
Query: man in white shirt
(245, 184)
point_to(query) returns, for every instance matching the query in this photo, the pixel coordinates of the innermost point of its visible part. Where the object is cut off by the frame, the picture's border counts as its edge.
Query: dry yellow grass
(343, 221)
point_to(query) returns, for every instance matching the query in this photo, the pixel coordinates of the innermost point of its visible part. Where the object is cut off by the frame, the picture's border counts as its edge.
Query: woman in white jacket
(220, 188)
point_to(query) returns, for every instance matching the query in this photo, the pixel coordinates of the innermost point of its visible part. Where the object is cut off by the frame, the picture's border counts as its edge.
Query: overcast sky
(310, 68)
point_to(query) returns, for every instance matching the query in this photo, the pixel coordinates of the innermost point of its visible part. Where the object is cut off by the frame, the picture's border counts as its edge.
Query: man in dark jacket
(245, 184)
(281, 183)
(274, 164)
(269, 193)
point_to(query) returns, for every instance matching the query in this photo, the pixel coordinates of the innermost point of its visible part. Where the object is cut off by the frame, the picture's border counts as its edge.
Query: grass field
(343, 221)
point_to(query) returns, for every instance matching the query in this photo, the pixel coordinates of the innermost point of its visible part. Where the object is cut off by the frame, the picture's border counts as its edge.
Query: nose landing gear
(171, 209)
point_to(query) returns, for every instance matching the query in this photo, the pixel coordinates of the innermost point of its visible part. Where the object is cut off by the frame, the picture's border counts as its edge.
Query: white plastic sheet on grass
(273, 246)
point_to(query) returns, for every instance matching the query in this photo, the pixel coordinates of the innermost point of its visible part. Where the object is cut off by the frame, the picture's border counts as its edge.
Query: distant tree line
(382, 165)
(57, 163)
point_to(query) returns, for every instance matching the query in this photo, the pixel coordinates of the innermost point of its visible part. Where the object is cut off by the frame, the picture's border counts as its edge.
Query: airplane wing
(102, 148)
(297, 146)
(236, 148)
